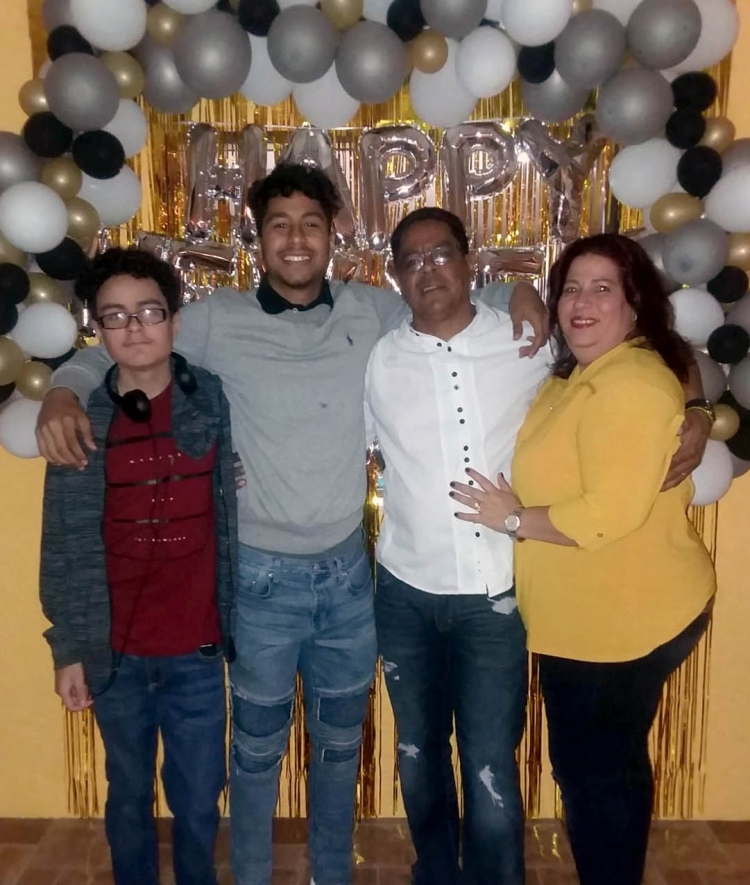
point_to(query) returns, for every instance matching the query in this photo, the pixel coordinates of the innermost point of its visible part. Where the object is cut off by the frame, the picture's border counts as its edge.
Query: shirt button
(471, 482)
(466, 460)
(454, 374)
(460, 409)
(477, 535)
(456, 387)
(440, 344)
(461, 421)
(450, 350)
(466, 448)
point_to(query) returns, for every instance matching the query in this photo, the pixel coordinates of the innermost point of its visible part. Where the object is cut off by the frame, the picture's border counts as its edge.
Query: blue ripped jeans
(312, 615)
(462, 656)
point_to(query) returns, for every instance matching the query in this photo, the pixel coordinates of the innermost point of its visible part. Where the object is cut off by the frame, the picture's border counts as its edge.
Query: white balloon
(45, 330)
(641, 173)
(494, 11)
(129, 126)
(720, 25)
(110, 24)
(739, 315)
(728, 203)
(46, 65)
(533, 22)
(713, 476)
(620, 9)
(374, 10)
(190, 7)
(485, 62)
(115, 199)
(283, 4)
(18, 428)
(324, 102)
(33, 217)
(440, 99)
(739, 382)
(696, 314)
(713, 379)
(264, 84)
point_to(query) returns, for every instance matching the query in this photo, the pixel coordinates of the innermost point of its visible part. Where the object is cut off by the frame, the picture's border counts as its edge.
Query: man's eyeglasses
(148, 316)
(439, 256)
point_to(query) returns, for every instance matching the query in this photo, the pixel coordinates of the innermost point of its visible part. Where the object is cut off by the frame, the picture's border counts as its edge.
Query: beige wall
(31, 757)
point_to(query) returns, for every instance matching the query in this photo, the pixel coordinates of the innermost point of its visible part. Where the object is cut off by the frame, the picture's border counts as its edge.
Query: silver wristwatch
(513, 523)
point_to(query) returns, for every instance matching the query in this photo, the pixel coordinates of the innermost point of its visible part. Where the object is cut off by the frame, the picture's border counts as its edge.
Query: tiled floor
(67, 852)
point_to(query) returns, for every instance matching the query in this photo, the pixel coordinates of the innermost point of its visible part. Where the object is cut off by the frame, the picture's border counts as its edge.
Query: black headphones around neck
(135, 404)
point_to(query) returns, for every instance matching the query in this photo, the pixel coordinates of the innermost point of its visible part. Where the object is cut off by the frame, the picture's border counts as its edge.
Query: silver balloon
(590, 49)
(695, 252)
(739, 467)
(663, 33)
(653, 244)
(81, 91)
(737, 154)
(56, 13)
(634, 106)
(554, 100)
(165, 90)
(302, 43)
(713, 379)
(212, 54)
(371, 62)
(453, 18)
(17, 162)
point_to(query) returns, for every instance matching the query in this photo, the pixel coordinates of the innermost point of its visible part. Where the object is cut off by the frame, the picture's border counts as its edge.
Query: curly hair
(289, 178)
(129, 263)
(430, 213)
(644, 292)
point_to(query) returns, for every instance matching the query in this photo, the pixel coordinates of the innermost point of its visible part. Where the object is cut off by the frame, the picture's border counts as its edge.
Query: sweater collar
(271, 302)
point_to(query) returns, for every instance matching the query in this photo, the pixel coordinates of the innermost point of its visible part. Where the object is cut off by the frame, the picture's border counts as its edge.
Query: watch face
(512, 522)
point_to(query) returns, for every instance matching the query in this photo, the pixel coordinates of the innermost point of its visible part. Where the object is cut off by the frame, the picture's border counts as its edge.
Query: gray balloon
(164, 90)
(634, 106)
(739, 467)
(302, 43)
(713, 379)
(737, 154)
(695, 252)
(371, 62)
(212, 54)
(554, 100)
(81, 91)
(453, 18)
(56, 13)
(663, 33)
(590, 49)
(17, 162)
(653, 244)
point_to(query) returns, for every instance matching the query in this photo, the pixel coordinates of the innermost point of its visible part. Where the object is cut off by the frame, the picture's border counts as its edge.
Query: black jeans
(462, 655)
(599, 716)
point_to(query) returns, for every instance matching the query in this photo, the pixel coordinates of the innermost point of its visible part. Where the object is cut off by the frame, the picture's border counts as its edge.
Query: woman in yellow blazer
(613, 583)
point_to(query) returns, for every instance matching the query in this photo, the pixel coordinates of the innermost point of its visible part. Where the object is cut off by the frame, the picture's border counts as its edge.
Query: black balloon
(6, 390)
(65, 39)
(694, 90)
(698, 170)
(14, 284)
(225, 6)
(405, 19)
(64, 262)
(99, 154)
(46, 136)
(728, 344)
(536, 63)
(685, 128)
(56, 362)
(256, 16)
(8, 318)
(729, 285)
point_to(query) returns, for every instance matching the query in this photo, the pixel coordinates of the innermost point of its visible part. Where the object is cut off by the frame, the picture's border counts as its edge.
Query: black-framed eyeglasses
(147, 316)
(439, 256)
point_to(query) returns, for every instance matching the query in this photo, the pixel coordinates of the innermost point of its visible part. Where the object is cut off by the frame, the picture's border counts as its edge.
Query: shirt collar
(271, 302)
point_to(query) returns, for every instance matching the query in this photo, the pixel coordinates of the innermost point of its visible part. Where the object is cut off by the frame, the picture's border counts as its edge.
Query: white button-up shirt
(437, 407)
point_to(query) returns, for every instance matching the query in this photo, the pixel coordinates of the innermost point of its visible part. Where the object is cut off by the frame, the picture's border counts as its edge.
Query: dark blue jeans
(599, 716)
(462, 656)
(311, 615)
(183, 698)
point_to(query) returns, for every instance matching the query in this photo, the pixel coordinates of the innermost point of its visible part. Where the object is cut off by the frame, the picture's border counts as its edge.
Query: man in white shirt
(446, 391)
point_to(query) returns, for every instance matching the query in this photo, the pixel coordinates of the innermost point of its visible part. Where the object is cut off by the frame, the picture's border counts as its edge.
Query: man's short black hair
(430, 213)
(289, 178)
(129, 263)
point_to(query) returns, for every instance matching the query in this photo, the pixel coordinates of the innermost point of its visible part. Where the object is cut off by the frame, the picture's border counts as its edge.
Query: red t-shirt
(159, 538)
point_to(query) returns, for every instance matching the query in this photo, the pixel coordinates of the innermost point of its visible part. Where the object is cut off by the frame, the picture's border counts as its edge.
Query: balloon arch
(118, 71)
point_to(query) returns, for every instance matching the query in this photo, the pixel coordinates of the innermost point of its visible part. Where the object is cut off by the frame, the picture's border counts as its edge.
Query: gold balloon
(719, 133)
(83, 222)
(581, 6)
(63, 176)
(727, 422)
(343, 13)
(44, 288)
(235, 4)
(33, 382)
(11, 361)
(164, 24)
(429, 51)
(127, 72)
(739, 251)
(10, 255)
(672, 210)
(31, 97)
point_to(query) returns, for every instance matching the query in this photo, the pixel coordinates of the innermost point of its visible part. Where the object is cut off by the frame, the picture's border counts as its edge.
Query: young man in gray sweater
(292, 356)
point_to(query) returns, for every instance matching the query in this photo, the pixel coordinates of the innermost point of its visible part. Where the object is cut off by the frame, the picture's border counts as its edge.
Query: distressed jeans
(312, 615)
(457, 656)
